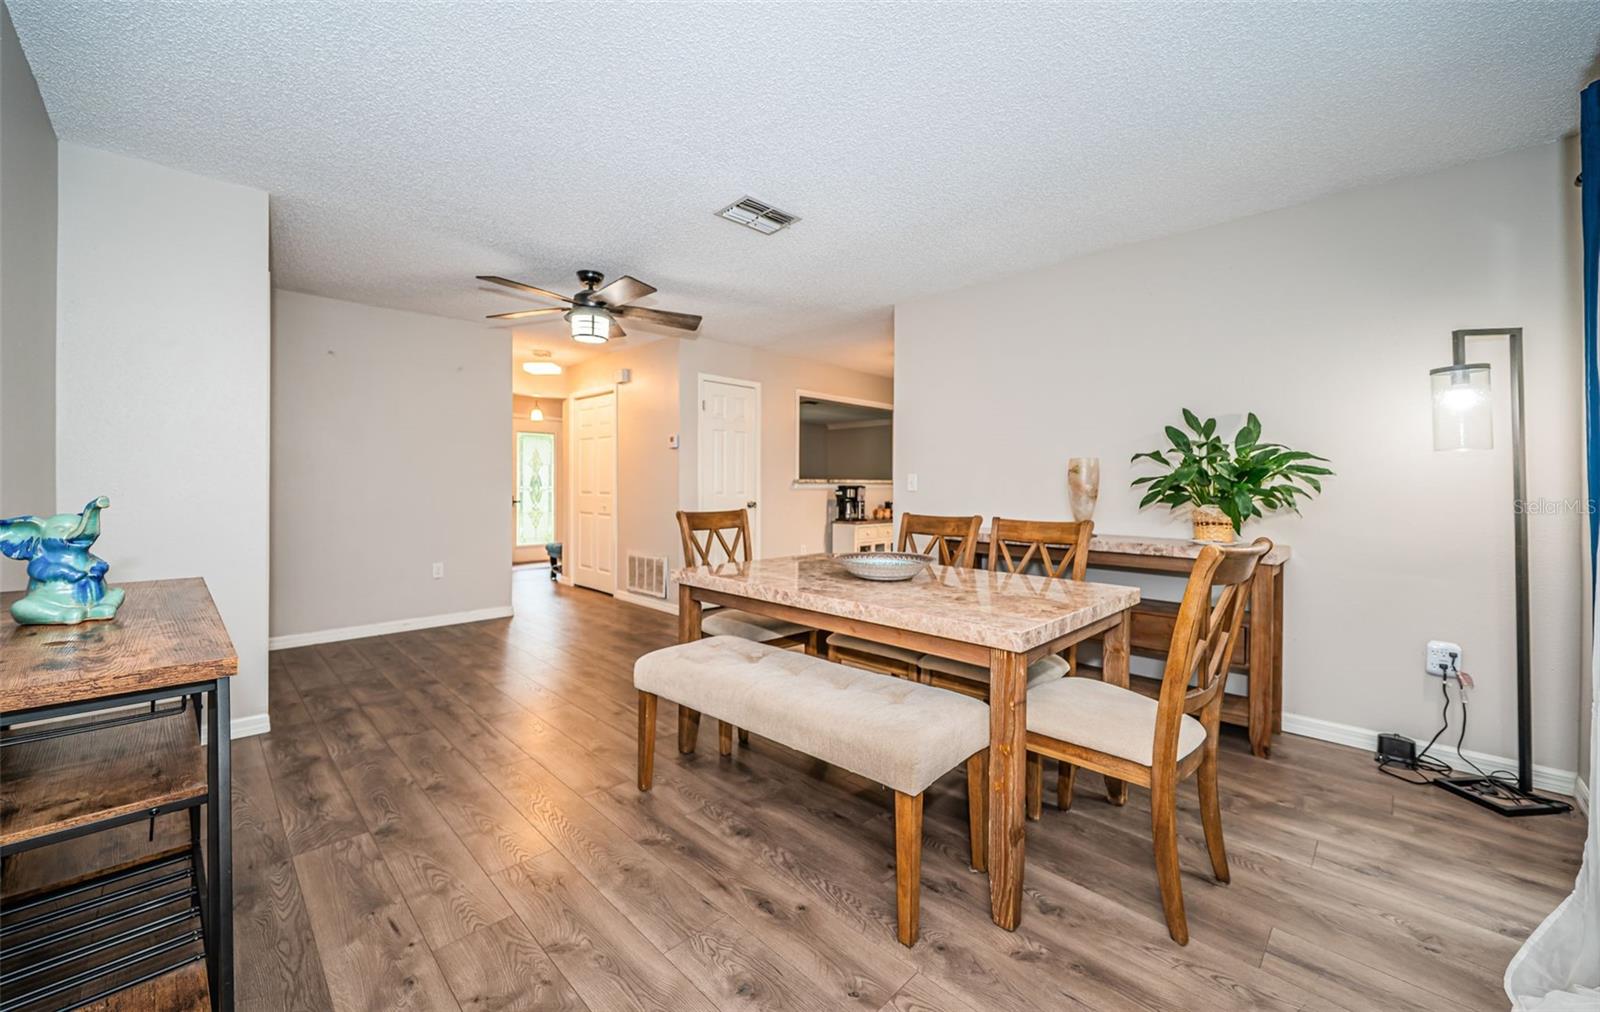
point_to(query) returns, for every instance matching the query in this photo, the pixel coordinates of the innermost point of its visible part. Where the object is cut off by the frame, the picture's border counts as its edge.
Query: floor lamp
(1463, 419)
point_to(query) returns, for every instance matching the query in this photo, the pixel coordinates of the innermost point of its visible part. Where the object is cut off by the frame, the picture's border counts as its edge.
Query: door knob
(750, 505)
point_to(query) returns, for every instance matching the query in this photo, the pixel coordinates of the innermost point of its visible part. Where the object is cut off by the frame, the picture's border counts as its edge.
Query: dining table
(1003, 621)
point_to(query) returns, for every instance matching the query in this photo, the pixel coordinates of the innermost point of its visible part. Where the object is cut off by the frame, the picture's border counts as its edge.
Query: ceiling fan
(594, 311)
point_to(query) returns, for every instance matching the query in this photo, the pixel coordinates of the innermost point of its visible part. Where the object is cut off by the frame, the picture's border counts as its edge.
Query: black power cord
(1424, 763)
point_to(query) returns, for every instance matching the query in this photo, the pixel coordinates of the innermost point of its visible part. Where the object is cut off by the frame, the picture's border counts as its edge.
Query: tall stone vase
(1083, 486)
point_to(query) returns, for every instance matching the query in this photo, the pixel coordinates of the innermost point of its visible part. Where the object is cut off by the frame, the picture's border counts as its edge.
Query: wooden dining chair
(949, 541)
(1156, 743)
(711, 537)
(1057, 549)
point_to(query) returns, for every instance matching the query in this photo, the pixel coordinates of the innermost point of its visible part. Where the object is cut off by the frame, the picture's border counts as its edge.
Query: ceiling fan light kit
(594, 311)
(590, 326)
(542, 367)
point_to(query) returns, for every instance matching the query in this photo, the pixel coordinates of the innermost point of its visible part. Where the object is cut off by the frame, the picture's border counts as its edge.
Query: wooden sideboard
(1260, 655)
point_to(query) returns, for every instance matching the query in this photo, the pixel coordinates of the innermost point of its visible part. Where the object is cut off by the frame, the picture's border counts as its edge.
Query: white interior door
(730, 449)
(594, 561)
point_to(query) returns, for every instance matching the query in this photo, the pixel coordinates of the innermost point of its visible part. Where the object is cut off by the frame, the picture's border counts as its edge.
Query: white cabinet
(855, 536)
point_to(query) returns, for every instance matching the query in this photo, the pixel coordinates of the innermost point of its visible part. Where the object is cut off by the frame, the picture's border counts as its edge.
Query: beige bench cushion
(1045, 669)
(747, 625)
(884, 650)
(1106, 718)
(891, 730)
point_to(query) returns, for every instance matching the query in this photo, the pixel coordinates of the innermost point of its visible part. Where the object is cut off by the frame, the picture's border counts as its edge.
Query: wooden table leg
(1115, 672)
(1008, 752)
(688, 632)
(1262, 598)
(688, 615)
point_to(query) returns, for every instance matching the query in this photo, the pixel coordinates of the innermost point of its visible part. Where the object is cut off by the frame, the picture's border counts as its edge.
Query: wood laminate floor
(448, 819)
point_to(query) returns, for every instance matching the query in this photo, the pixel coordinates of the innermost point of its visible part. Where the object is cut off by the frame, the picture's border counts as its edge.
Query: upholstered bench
(899, 733)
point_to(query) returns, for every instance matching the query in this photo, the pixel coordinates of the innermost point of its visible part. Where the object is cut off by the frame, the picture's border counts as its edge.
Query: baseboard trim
(355, 632)
(248, 727)
(1545, 778)
(1581, 796)
(654, 603)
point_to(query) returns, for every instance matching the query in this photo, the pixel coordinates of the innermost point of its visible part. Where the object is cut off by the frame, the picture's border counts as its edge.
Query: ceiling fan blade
(624, 290)
(523, 314)
(522, 287)
(680, 321)
(616, 330)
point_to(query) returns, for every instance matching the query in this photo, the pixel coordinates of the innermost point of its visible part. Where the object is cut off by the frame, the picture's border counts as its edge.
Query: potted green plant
(1228, 483)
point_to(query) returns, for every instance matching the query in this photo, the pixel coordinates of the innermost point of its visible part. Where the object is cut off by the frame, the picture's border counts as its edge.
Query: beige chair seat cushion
(1106, 718)
(891, 730)
(1045, 669)
(748, 625)
(884, 650)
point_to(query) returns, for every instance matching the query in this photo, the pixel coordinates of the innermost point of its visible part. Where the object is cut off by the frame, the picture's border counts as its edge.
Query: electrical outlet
(1438, 661)
(438, 570)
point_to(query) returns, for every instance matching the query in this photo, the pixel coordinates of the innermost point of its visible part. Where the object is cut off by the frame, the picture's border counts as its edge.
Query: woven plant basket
(1211, 524)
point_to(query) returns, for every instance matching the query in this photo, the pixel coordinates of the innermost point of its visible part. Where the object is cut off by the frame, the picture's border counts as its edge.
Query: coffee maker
(850, 501)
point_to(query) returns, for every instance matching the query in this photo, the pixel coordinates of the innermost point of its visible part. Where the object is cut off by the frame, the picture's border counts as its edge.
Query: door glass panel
(536, 488)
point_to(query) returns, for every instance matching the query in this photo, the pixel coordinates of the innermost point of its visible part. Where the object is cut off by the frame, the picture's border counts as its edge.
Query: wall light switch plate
(911, 483)
(672, 441)
(438, 570)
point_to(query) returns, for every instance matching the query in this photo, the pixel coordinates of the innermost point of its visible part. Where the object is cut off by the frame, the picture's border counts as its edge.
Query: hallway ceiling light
(542, 367)
(537, 414)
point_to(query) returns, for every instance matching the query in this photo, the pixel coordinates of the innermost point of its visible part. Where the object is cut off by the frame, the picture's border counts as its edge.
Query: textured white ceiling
(409, 145)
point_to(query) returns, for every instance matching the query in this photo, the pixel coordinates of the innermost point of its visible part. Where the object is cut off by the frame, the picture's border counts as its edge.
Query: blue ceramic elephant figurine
(66, 584)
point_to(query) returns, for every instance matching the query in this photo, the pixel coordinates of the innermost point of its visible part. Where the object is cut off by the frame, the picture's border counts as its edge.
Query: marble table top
(1002, 611)
(1167, 548)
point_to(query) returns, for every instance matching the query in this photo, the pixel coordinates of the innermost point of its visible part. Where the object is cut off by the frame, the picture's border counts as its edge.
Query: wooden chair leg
(1164, 834)
(978, 808)
(744, 738)
(647, 739)
(1035, 785)
(1211, 811)
(724, 738)
(1116, 791)
(814, 642)
(1064, 778)
(908, 865)
(688, 728)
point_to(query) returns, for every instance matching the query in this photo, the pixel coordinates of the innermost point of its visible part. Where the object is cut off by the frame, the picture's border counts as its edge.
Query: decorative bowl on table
(885, 566)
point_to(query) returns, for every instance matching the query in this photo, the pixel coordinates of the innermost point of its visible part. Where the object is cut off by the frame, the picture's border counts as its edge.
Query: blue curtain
(1591, 269)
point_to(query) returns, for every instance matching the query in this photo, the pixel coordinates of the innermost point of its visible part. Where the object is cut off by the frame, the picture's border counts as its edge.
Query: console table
(125, 701)
(1259, 655)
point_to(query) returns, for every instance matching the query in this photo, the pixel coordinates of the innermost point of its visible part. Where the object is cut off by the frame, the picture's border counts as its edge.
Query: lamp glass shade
(1463, 413)
(590, 326)
(542, 367)
(537, 414)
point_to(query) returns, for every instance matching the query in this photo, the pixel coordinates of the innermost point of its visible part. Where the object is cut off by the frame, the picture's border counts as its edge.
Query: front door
(533, 490)
(730, 449)
(594, 561)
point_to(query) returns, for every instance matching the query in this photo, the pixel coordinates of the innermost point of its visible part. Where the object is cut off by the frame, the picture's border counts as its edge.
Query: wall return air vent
(752, 213)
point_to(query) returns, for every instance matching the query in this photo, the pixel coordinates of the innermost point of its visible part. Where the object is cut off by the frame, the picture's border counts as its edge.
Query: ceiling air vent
(752, 213)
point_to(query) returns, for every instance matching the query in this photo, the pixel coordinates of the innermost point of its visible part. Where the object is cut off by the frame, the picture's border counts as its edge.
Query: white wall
(1324, 319)
(390, 452)
(27, 295)
(163, 383)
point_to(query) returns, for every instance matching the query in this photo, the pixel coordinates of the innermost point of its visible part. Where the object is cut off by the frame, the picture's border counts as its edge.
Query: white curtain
(1558, 967)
